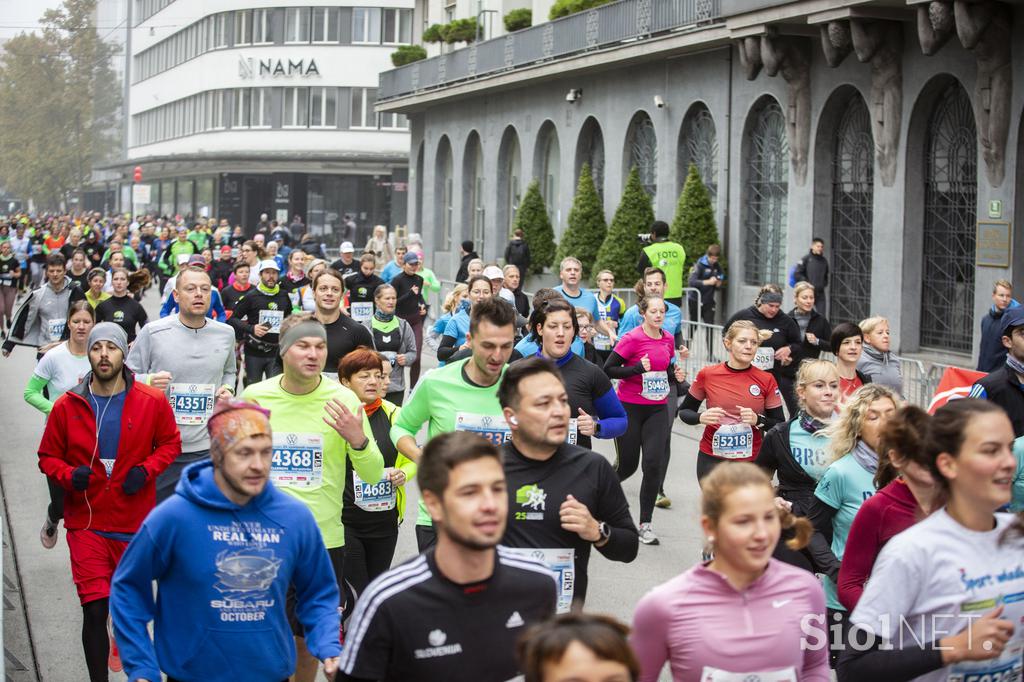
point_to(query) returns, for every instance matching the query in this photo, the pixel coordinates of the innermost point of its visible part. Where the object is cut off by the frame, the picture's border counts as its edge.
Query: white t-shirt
(62, 370)
(933, 578)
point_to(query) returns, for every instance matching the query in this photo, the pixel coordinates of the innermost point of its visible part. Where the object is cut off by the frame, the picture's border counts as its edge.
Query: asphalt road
(52, 608)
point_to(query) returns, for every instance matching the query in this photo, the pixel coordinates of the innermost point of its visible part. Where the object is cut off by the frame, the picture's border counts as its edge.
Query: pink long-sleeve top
(708, 630)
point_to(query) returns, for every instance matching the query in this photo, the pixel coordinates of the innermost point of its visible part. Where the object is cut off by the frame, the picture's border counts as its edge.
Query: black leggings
(706, 464)
(258, 368)
(646, 430)
(787, 387)
(426, 537)
(395, 397)
(55, 511)
(95, 639)
(365, 559)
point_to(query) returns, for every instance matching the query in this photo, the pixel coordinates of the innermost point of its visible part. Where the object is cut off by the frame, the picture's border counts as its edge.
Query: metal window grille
(643, 152)
(766, 194)
(852, 210)
(699, 146)
(592, 152)
(950, 212)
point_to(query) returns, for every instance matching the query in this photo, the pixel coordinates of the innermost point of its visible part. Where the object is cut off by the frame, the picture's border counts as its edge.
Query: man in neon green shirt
(669, 257)
(318, 427)
(461, 396)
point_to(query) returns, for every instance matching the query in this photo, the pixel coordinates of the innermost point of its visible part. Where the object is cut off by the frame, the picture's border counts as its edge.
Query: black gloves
(80, 477)
(134, 480)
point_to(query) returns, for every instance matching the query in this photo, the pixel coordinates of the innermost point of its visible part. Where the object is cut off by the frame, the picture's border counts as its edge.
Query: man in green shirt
(318, 426)
(669, 257)
(461, 396)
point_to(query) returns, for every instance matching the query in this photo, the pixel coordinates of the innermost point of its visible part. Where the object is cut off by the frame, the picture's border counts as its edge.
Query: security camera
(659, 102)
(573, 96)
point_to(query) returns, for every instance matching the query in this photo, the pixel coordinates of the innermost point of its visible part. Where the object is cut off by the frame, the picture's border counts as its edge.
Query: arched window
(950, 214)
(546, 168)
(473, 190)
(444, 194)
(766, 192)
(509, 179)
(590, 150)
(698, 145)
(420, 189)
(642, 152)
(853, 163)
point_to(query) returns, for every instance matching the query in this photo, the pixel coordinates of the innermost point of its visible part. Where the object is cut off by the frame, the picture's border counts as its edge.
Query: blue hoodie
(223, 573)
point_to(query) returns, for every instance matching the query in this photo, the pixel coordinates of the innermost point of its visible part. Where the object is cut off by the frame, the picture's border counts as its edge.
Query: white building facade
(241, 109)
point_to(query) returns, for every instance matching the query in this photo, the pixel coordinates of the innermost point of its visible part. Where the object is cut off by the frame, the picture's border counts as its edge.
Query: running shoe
(114, 658)
(647, 535)
(48, 533)
(663, 502)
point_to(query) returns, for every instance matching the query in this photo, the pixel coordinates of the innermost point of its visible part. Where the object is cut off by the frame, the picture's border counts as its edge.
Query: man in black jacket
(517, 252)
(563, 496)
(813, 268)
(1005, 385)
(706, 276)
(411, 305)
(257, 320)
(467, 254)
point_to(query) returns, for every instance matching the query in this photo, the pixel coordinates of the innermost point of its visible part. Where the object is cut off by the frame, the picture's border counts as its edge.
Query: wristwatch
(604, 531)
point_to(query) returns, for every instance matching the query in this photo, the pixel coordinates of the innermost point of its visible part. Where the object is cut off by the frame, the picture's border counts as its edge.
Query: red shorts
(93, 560)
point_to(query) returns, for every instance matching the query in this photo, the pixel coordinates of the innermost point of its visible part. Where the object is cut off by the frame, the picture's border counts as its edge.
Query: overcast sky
(18, 16)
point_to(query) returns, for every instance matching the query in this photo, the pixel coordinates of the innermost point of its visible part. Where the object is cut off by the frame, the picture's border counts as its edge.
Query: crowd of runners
(248, 452)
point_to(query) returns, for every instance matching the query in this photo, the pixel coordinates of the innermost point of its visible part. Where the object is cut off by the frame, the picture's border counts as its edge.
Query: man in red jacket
(105, 442)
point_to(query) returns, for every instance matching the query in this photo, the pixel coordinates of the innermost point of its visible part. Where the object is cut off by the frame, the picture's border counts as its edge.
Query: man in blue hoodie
(991, 351)
(224, 550)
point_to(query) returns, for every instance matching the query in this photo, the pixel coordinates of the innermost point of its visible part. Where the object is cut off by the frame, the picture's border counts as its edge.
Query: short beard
(463, 541)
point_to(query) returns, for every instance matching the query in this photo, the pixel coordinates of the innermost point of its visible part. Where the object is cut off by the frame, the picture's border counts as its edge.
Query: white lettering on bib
(491, 427)
(192, 403)
(733, 441)
(362, 311)
(709, 674)
(655, 386)
(298, 460)
(764, 359)
(374, 497)
(562, 563)
(602, 342)
(272, 319)
(55, 328)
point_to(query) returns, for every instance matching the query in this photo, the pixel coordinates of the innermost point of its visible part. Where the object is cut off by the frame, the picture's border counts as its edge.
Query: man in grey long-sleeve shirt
(192, 358)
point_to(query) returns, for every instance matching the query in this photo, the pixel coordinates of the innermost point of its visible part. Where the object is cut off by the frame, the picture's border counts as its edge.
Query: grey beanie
(109, 331)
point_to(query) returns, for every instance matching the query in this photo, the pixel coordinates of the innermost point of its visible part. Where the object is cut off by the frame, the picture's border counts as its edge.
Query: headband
(771, 297)
(301, 331)
(235, 420)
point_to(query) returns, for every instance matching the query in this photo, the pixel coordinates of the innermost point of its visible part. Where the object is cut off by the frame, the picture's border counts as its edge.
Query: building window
(549, 158)
(590, 151)
(394, 121)
(950, 212)
(325, 25)
(260, 106)
(363, 115)
(444, 191)
(261, 27)
(698, 146)
(243, 27)
(220, 30)
(366, 25)
(765, 196)
(323, 109)
(242, 112)
(296, 107)
(642, 151)
(398, 26)
(853, 163)
(296, 25)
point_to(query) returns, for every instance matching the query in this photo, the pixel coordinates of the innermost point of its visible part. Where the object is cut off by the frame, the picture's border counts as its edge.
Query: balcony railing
(615, 23)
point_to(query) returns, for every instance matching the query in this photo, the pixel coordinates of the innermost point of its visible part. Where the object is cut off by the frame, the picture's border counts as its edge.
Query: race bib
(54, 328)
(655, 386)
(602, 342)
(272, 319)
(192, 403)
(330, 376)
(562, 563)
(361, 312)
(374, 497)
(491, 427)
(293, 296)
(764, 359)
(1006, 668)
(709, 674)
(733, 441)
(573, 437)
(108, 464)
(298, 460)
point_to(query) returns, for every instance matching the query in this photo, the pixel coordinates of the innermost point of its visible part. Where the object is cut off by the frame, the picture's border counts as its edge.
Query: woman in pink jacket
(743, 613)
